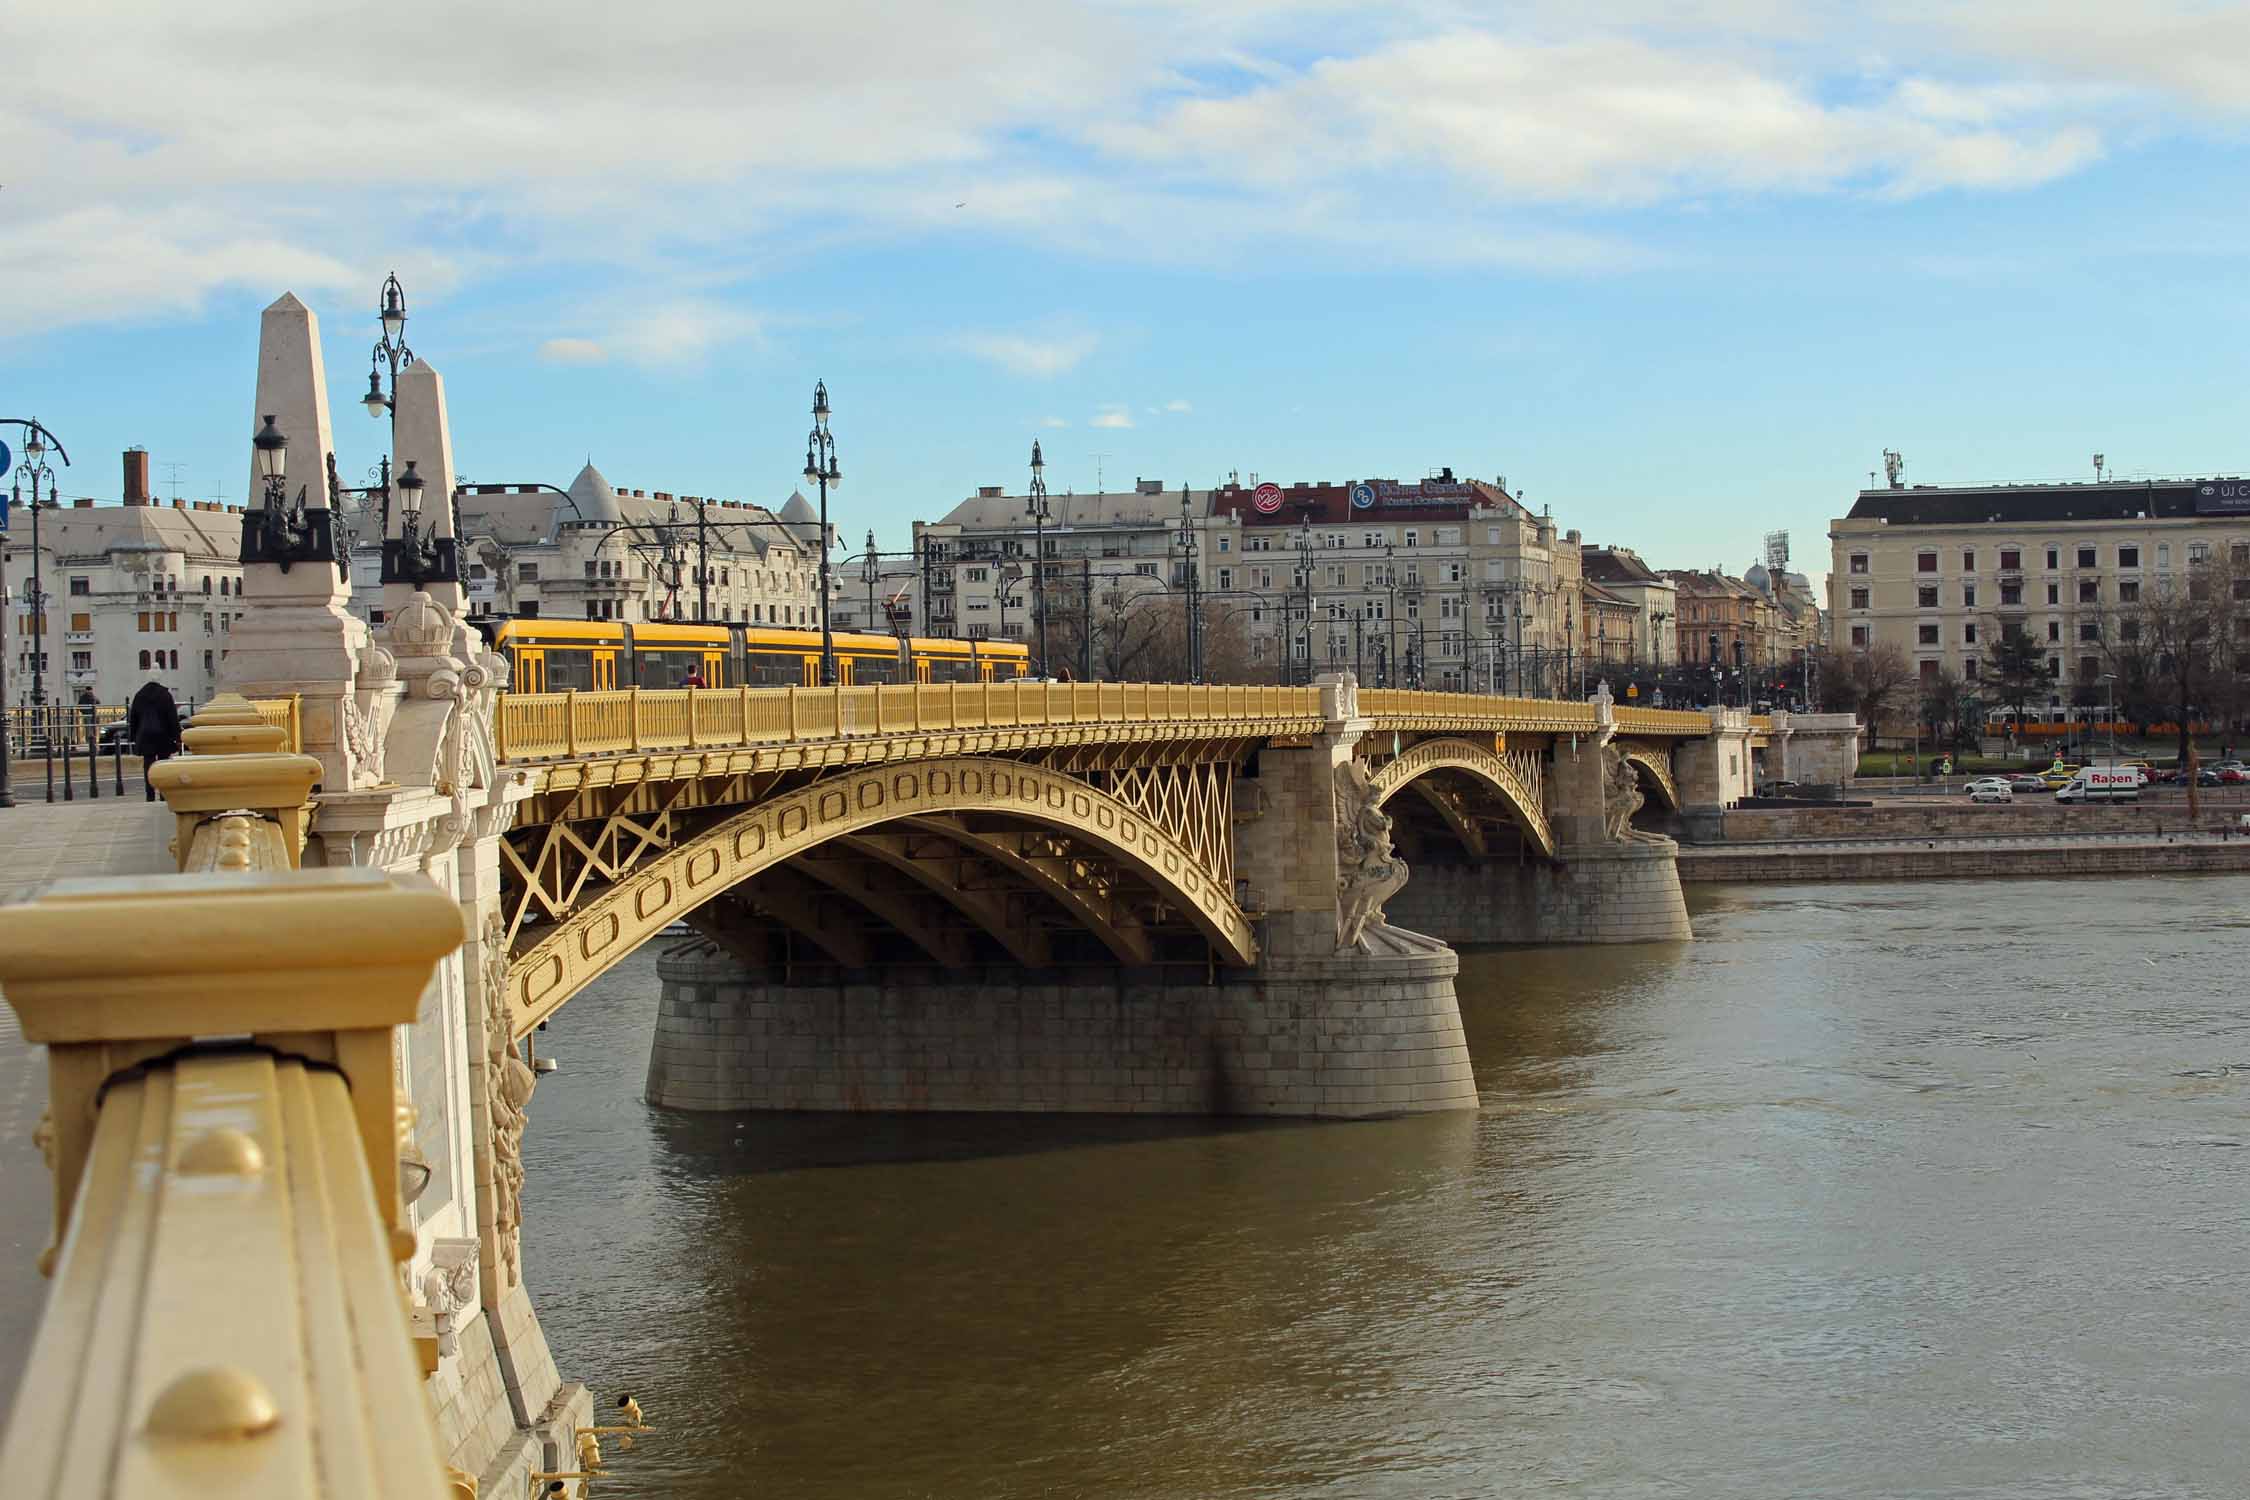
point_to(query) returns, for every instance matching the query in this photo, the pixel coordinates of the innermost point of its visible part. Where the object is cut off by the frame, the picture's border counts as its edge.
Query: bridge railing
(1663, 721)
(556, 726)
(1517, 713)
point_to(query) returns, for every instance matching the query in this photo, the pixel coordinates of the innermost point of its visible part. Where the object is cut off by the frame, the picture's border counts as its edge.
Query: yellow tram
(553, 656)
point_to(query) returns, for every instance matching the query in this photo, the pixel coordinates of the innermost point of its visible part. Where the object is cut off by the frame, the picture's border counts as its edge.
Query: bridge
(389, 871)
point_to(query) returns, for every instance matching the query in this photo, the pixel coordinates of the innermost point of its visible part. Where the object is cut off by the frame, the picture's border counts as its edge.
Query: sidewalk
(41, 841)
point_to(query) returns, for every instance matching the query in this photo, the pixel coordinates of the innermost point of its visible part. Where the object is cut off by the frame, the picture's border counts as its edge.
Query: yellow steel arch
(1481, 765)
(667, 888)
(1656, 772)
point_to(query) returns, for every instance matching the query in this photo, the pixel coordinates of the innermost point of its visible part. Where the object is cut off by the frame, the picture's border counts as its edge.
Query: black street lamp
(389, 354)
(1304, 583)
(1188, 550)
(820, 467)
(1035, 506)
(33, 468)
(277, 531)
(415, 557)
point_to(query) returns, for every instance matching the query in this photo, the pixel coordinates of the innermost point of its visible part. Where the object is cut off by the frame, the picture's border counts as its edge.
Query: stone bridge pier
(1605, 880)
(1340, 1014)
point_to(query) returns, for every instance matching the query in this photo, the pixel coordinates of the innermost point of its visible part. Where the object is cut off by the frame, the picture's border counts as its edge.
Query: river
(1874, 1190)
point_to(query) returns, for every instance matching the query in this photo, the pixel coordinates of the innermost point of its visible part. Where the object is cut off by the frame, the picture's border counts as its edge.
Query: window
(2011, 595)
(1859, 562)
(2128, 591)
(144, 661)
(1968, 560)
(82, 661)
(2240, 554)
(2089, 591)
(1371, 539)
(1447, 536)
(1452, 572)
(527, 572)
(2089, 630)
(2198, 552)
(1146, 570)
(529, 608)
(1969, 669)
(1968, 596)
(2163, 555)
(82, 622)
(1408, 540)
(226, 587)
(82, 586)
(979, 575)
(1258, 544)
(1335, 575)
(206, 583)
(2054, 666)
(2054, 593)
(2089, 666)
(2011, 559)
(592, 571)
(1928, 670)
(206, 661)
(1927, 635)
(2086, 557)
(1226, 544)
(1226, 580)
(2054, 558)
(2054, 630)
(476, 574)
(206, 624)
(2128, 630)
(2128, 557)
(1925, 562)
(1925, 597)
(1859, 598)
(141, 622)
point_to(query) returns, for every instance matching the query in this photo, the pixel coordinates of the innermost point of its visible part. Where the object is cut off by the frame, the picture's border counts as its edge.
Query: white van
(2102, 784)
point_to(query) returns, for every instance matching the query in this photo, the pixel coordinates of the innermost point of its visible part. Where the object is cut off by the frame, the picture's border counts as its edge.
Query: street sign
(1267, 497)
(5, 458)
(1632, 690)
(1363, 496)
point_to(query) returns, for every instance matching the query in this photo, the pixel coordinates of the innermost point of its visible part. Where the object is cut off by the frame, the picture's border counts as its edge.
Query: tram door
(714, 669)
(605, 671)
(531, 671)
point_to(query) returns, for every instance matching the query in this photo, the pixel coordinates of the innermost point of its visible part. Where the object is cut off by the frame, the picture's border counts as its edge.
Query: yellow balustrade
(1663, 721)
(226, 1136)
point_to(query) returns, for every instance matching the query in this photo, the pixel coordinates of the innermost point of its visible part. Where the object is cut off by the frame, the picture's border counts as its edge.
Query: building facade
(1941, 571)
(137, 592)
(595, 552)
(1621, 572)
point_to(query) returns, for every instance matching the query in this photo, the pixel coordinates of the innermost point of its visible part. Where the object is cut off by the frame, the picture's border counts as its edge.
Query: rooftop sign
(2223, 497)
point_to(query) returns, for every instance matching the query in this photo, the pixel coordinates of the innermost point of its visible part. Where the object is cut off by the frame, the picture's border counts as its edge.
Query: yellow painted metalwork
(285, 714)
(225, 1133)
(1684, 722)
(1492, 771)
(559, 726)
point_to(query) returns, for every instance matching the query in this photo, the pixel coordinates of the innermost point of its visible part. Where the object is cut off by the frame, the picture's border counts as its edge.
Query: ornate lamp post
(277, 531)
(1194, 589)
(414, 557)
(820, 468)
(1035, 506)
(1304, 583)
(33, 468)
(389, 354)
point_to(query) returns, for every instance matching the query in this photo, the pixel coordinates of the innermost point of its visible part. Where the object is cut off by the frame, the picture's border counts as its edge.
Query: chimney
(136, 476)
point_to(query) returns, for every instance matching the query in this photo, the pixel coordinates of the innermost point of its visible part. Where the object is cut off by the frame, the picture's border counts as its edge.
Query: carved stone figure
(508, 1085)
(1368, 873)
(449, 1287)
(1621, 795)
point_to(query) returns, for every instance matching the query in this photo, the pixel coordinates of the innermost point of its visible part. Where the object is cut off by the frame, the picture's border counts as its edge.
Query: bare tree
(1871, 683)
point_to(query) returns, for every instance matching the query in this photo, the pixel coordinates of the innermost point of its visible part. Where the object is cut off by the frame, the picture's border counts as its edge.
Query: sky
(1678, 271)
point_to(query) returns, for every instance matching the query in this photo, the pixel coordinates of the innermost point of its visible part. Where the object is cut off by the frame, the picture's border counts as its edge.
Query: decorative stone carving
(508, 1085)
(1367, 871)
(1621, 795)
(449, 1290)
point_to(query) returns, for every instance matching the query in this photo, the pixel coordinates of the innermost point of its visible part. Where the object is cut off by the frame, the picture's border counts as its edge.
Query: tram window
(665, 669)
(569, 669)
(866, 669)
(951, 669)
(773, 669)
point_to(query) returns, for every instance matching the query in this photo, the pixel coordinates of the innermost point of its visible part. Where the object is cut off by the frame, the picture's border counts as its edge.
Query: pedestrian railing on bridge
(563, 726)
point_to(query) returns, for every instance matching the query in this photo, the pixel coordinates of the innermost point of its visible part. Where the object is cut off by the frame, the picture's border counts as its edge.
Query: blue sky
(1680, 273)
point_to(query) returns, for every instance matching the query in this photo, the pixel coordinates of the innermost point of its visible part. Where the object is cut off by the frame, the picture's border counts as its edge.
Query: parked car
(1778, 789)
(1991, 789)
(2028, 784)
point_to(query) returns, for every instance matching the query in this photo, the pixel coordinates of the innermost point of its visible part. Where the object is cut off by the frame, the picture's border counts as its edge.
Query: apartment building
(1654, 599)
(1939, 571)
(136, 592)
(596, 552)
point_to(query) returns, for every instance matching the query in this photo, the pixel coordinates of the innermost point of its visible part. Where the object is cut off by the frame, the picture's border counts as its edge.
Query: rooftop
(2109, 500)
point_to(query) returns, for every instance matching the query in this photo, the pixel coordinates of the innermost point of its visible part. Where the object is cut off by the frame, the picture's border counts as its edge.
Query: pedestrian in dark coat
(152, 723)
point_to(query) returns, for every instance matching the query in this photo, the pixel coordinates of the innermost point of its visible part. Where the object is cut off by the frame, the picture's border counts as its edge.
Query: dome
(799, 512)
(592, 502)
(1755, 576)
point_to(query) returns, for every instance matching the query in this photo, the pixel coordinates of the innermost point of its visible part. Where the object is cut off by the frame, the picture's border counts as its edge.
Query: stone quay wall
(1964, 861)
(1609, 893)
(1964, 818)
(1358, 1035)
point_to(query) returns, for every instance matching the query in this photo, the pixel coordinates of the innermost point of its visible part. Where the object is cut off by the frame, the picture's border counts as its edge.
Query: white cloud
(1177, 405)
(1040, 355)
(1112, 416)
(681, 334)
(572, 352)
(143, 179)
(1054, 422)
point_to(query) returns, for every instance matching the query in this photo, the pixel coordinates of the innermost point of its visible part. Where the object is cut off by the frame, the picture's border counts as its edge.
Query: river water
(1874, 1190)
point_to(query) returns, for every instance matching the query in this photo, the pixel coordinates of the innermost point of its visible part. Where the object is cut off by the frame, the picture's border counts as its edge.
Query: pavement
(43, 841)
